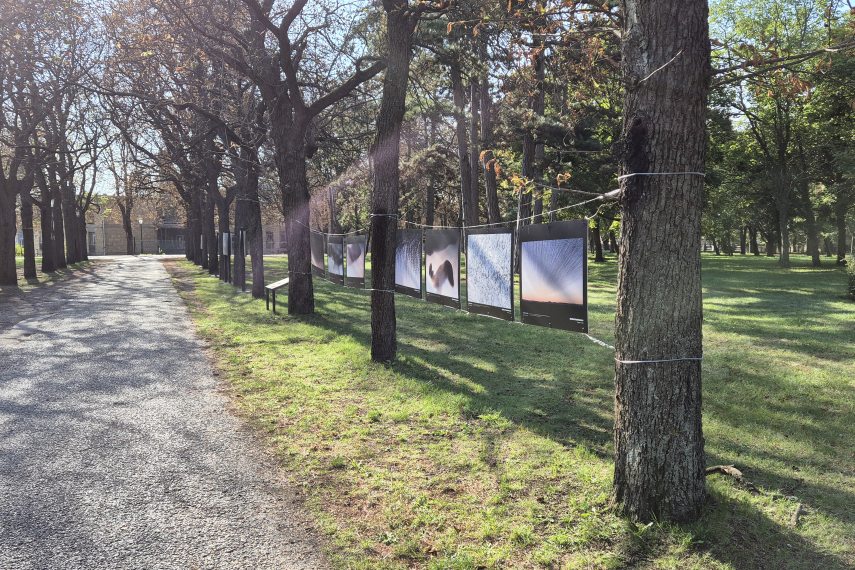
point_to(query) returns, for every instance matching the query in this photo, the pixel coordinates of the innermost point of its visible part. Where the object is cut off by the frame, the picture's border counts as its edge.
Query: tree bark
(784, 228)
(840, 208)
(490, 178)
(659, 445)
(46, 221)
(753, 245)
(28, 233)
(598, 241)
(400, 26)
(8, 268)
(462, 145)
(60, 261)
(743, 246)
(301, 295)
(474, 149)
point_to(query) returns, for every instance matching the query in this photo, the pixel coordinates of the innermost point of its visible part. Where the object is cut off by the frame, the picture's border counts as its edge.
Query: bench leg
(267, 299)
(274, 301)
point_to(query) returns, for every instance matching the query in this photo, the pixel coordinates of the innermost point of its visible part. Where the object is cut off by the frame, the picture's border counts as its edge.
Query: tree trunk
(598, 241)
(539, 163)
(743, 246)
(715, 246)
(69, 219)
(384, 198)
(840, 208)
(784, 228)
(613, 240)
(659, 445)
(474, 149)
(60, 261)
(754, 246)
(128, 225)
(8, 268)
(210, 231)
(46, 221)
(29, 237)
(462, 146)
(301, 295)
(83, 243)
(490, 179)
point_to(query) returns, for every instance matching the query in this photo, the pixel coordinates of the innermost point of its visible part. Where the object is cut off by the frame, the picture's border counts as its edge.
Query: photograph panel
(553, 275)
(355, 253)
(408, 263)
(442, 267)
(317, 243)
(489, 273)
(335, 260)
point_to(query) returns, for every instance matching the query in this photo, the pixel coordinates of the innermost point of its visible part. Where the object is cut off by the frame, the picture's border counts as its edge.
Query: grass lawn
(43, 278)
(488, 444)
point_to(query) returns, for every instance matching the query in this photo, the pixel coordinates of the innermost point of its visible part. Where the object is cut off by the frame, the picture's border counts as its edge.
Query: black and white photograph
(335, 260)
(408, 263)
(317, 242)
(442, 267)
(553, 275)
(355, 247)
(489, 273)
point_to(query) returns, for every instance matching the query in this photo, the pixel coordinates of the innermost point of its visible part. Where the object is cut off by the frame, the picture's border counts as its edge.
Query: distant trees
(776, 60)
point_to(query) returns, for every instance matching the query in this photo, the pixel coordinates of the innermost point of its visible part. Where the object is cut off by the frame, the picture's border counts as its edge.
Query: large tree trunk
(840, 214)
(28, 233)
(8, 229)
(384, 198)
(659, 446)
(753, 245)
(301, 294)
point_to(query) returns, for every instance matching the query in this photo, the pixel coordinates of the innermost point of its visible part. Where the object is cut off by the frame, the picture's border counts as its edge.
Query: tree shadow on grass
(559, 385)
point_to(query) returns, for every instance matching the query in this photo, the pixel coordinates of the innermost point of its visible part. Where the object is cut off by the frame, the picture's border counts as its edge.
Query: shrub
(850, 271)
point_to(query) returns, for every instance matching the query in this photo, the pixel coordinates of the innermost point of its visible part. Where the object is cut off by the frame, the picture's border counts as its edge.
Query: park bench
(272, 288)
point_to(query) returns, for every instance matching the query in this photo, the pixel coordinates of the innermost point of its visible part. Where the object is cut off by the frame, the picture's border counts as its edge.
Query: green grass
(488, 444)
(44, 278)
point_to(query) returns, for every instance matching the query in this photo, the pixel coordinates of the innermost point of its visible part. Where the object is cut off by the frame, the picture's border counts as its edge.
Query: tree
(659, 446)
(401, 21)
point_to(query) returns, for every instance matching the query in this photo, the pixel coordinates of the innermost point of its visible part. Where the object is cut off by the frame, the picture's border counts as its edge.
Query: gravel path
(116, 448)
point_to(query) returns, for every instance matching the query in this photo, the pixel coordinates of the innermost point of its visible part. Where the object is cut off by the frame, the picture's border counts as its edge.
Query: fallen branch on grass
(736, 474)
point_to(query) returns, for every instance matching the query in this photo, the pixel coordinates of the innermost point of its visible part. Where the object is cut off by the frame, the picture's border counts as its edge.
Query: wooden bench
(272, 288)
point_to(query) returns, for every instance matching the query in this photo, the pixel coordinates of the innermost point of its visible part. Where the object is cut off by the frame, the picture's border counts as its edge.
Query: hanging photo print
(489, 273)
(318, 245)
(408, 263)
(355, 272)
(554, 275)
(442, 267)
(335, 260)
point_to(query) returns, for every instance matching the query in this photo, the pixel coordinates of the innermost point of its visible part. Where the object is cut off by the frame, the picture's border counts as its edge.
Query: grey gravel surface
(117, 447)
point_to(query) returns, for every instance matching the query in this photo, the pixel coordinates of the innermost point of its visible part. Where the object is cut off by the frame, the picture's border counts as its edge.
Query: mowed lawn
(45, 278)
(488, 444)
